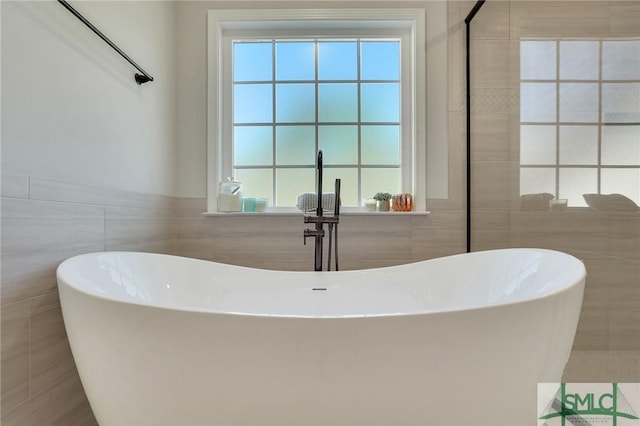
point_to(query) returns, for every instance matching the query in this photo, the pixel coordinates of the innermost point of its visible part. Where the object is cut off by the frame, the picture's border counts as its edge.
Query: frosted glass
(348, 184)
(538, 60)
(380, 102)
(537, 180)
(338, 102)
(578, 145)
(621, 102)
(621, 145)
(292, 182)
(337, 60)
(576, 182)
(295, 145)
(252, 61)
(538, 102)
(621, 60)
(295, 103)
(579, 102)
(537, 144)
(252, 103)
(380, 180)
(380, 145)
(339, 144)
(255, 182)
(253, 146)
(380, 60)
(295, 61)
(579, 60)
(622, 181)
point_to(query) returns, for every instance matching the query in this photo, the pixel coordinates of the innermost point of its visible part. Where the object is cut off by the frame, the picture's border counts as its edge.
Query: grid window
(339, 95)
(580, 118)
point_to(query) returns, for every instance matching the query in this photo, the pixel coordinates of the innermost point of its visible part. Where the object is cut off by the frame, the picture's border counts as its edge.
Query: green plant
(382, 196)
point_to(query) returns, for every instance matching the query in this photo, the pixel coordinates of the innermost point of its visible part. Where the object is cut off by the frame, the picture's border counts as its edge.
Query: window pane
(537, 145)
(576, 182)
(579, 60)
(621, 60)
(538, 180)
(295, 60)
(578, 144)
(538, 102)
(339, 144)
(338, 102)
(381, 145)
(538, 60)
(252, 103)
(579, 102)
(337, 60)
(621, 145)
(295, 145)
(380, 180)
(252, 145)
(252, 61)
(255, 182)
(622, 181)
(380, 60)
(348, 184)
(293, 182)
(621, 102)
(295, 103)
(381, 102)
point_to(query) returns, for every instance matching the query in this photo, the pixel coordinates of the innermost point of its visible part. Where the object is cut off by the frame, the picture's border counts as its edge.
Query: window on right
(580, 119)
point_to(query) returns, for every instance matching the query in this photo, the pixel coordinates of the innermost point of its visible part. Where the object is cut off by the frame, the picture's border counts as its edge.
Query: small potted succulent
(383, 201)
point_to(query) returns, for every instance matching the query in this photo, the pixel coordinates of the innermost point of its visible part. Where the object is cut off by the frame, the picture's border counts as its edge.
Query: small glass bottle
(230, 196)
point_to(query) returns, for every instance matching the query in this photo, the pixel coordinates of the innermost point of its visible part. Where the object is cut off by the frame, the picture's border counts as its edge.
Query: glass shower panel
(537, 144)
(579, 102)
(579, 60)
(621, 59)
(538, 102)
(574, 182)
(537, 180)
(622, 181)
(621, 102)
(621, 145)
(578, 145)
(538, 60)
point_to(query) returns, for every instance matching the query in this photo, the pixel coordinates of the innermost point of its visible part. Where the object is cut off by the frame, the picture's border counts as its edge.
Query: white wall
(192, 88)
(70, 107)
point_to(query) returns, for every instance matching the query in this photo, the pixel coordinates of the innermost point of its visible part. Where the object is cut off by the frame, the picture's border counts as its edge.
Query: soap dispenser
(230, 196)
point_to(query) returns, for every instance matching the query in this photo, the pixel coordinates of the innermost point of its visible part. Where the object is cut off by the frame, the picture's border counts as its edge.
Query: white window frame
(224, 25)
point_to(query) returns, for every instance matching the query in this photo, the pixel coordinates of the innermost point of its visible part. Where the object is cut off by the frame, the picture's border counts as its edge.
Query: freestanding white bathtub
(461, 340)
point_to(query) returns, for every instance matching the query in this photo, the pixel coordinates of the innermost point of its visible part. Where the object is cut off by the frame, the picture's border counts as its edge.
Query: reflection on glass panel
(537, 180)
(381, 144)
(380, 180)
(338, 102)
(538, 60)
(380, 60)
(295, 103)
(252, 103)
(255, 182)
(295, 60)
(252, 61)
(252, 145)
(380, 102)
(579, 102)
(579, 60)
(621, 102)
(348, 184)
(622, 181)
(295, 145)
(339, 144)
(621, 145)
(537, 144)
(337, 60)
(578, 144)
(621, 60)
(538, 102)
(576, 182)
(292, 182)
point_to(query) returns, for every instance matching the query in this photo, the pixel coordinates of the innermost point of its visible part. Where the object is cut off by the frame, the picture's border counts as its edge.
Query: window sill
(296, 213)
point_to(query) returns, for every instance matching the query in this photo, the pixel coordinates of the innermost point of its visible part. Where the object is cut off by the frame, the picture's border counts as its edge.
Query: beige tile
(490, 136)
(491, 99)
(592, 332)
(491, 184)
(491, 21)
(494, 64)
(135, 229)
(559, 19)
(612, 282)
(442, 233)
(625, 235)
(625, 18)
(624, 329)
(456, 62)
(14, 186)
(15, 353)
(490, 229)
(603, 366)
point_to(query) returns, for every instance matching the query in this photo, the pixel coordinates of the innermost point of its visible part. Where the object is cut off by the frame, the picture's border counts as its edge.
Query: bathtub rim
(567, 287)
